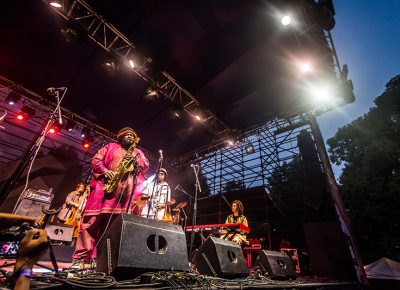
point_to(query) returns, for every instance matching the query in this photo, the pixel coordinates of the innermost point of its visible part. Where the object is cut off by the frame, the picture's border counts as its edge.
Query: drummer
(158, 194)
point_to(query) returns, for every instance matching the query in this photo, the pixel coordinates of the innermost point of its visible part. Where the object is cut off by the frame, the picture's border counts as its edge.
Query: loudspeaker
(57, 232)
(220, 258)
(278, 265)
(134, 245)
(329, 252)
(62, 253)
(31, 207)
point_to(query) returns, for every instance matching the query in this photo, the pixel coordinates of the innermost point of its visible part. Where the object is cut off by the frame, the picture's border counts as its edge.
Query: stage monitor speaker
(277, 265)
(134, 245)
(62, 233)
(31, 207)
(220, 258)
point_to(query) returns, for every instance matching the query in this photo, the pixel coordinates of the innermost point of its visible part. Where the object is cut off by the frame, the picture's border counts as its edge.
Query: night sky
(367, 38)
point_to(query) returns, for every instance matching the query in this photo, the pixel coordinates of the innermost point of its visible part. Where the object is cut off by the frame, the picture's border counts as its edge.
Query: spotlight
(12, 98)
(131, 63)
(286, 20)
(176, 111)
(85, 132)
(87, 142)
(110, 65)
(70, 125)
(231, 143)
(73, 33)
(25, 113)
(56, 4)
(55, 128)
(249, 149)
(151, 94)
(305, 67)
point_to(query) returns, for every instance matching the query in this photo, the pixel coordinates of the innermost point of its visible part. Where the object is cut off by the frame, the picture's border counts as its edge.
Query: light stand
(196, 170)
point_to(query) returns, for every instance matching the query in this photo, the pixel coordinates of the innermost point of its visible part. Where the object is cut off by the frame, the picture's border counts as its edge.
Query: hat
(163, 170)
(125, 130)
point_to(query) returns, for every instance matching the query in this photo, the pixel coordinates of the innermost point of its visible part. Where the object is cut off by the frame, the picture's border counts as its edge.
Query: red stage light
(52, 130)
(20, 116)
(86, 143)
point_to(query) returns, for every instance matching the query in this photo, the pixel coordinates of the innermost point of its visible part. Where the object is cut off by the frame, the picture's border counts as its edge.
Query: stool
(247, 251)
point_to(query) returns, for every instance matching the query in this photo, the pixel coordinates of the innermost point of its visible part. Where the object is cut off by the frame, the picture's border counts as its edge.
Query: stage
(83, 279)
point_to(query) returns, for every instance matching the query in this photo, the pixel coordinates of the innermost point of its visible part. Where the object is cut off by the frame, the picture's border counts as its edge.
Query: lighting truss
(275, 144)
(112, 40)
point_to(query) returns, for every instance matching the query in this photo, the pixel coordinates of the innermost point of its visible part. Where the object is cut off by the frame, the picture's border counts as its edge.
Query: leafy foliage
(369, 149)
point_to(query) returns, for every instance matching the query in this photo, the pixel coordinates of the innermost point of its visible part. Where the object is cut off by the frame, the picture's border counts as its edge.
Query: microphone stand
(198, 188)
(155, 184)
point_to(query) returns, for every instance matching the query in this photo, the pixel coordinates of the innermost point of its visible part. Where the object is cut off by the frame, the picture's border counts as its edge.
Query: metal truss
(112, 40)
(16, 138)
(274, 145)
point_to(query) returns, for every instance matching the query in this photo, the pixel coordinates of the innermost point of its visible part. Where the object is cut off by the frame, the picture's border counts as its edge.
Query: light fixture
(13, 98)
(54, 128)
(85, 132)
(25, 113)
(231, 143)
(131, 63)
(286, 20)
(73, 33)
(56, 4)
(305, 67)
(70, 125)
(249, 149)
(110, 65)
(87, 142)
(176, 110)
(151, 94)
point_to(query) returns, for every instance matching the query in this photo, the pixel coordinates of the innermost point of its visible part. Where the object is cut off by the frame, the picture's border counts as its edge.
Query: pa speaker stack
(134, 245)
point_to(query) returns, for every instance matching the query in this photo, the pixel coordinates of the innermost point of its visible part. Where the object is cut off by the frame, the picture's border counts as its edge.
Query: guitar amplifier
(39, 195)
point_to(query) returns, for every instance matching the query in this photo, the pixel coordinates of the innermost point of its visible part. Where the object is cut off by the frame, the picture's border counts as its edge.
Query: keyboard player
(236, 216)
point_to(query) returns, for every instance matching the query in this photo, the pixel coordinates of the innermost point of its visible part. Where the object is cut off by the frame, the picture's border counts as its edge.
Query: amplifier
(39, 195)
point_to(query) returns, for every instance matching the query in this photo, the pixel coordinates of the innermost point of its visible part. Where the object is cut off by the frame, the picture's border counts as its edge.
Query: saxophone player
(102, 205)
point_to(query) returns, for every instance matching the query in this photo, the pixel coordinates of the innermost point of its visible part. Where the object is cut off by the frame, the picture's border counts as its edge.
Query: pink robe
(108, 158)
(99, 205)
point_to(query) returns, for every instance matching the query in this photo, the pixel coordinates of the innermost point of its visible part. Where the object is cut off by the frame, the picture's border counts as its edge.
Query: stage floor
(168, 280)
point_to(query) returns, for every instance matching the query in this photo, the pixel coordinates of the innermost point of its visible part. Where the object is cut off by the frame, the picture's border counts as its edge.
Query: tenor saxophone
(127, 164)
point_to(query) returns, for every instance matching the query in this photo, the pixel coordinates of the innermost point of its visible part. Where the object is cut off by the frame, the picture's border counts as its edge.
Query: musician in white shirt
(159, 195)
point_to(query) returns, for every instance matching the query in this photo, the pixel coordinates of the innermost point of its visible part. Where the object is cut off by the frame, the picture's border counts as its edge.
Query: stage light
(110, 65)
(305, 67)
(176, 111)
(249, 149)
(323, 95)
(131, 63)
(231, 143)
(21, 116)
(25, 113)
(54, 128)
(13, 98)
(56, 4)
(286, 20)
(70, 125)
(85, 132)
(73, 34)
(87, 143)
(151, 94)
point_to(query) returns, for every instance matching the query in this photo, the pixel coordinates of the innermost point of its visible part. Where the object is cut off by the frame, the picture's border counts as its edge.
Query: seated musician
(72, 202)
(158, 196)
(236, 217)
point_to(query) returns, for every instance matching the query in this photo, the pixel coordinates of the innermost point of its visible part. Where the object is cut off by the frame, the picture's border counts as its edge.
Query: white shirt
(161, 194)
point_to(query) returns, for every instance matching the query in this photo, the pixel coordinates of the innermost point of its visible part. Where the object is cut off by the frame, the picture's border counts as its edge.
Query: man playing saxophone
(111, 189)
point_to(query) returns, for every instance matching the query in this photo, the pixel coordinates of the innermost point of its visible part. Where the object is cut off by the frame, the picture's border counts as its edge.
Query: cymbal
(181, 205)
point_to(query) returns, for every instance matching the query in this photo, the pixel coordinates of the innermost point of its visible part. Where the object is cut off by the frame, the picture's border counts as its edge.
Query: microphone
(52, 91)
(160, 151)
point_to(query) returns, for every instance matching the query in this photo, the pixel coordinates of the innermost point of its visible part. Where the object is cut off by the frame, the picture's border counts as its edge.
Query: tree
(369, 149)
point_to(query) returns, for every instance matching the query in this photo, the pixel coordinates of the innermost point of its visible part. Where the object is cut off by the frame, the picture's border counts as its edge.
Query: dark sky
(367, 38)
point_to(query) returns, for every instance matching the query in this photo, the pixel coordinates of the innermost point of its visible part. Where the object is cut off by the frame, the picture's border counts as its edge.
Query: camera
(10, 239)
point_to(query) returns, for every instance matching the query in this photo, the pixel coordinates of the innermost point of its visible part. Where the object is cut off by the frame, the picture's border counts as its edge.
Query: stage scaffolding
(269, 147)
